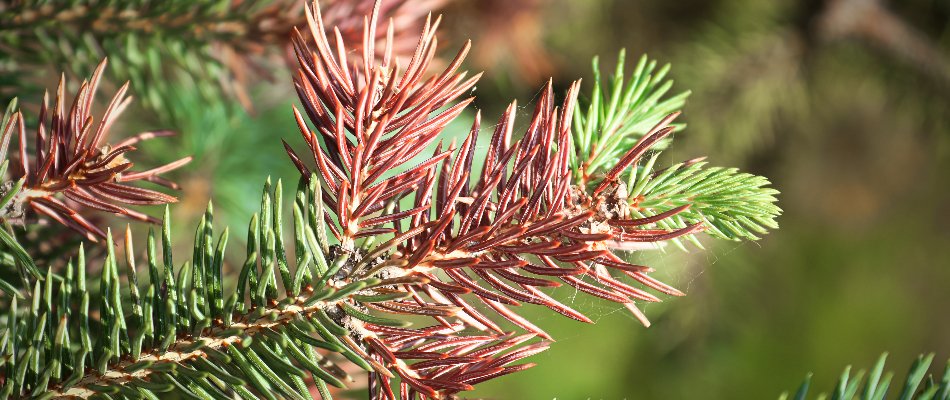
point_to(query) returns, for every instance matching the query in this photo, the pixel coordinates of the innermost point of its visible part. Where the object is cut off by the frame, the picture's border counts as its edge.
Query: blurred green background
(844, 104)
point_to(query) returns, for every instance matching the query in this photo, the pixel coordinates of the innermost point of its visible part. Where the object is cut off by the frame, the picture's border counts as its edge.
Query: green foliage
(627, 115)
(618, 114)
(730, 204)
(917, 385)
(183, 333)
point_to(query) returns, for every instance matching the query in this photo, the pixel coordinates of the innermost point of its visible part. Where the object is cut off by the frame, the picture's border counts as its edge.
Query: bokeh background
(844, 104)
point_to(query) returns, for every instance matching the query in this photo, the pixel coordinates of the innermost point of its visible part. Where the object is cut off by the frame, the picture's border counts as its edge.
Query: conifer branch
(408, 273)
(618, 114)
(523, 214)
(216, 45)
(686, 197)
(184, 334)
(72, 165)
(729, 204)
(876, 384)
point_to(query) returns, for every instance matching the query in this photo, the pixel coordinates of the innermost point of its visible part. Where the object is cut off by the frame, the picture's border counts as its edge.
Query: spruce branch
(409, 273)
(72, 165)
(730, 204)
(875, 384)
(618, 114)
(207, 40)
(216, 46)
(184, 334)
(523, 224)
(685, 197)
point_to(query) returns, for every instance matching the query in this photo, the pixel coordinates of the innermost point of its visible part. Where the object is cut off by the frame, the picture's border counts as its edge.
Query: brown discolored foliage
(72, 165)
(483, 244)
